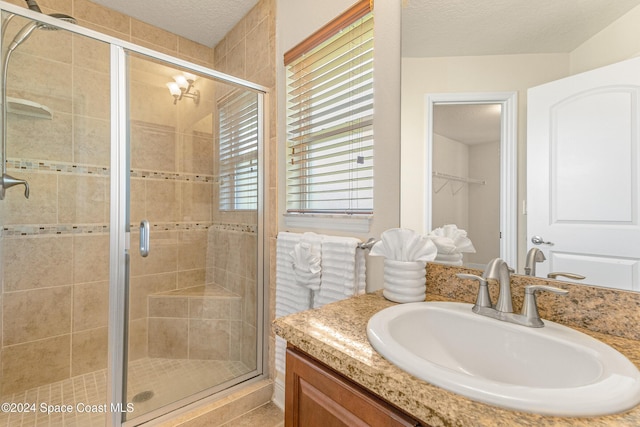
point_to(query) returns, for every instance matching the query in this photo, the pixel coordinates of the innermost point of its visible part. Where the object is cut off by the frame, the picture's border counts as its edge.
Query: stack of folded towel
(343, 270)
(451, 243)
(313, 270)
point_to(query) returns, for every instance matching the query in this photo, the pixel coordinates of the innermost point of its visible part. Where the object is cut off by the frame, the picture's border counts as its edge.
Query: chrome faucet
(533, 256)
(498, 270)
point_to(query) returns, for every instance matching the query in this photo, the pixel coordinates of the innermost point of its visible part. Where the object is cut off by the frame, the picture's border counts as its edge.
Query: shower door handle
(144, 238)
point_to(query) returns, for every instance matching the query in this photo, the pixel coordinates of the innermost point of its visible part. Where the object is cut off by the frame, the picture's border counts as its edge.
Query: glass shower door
(193, 183)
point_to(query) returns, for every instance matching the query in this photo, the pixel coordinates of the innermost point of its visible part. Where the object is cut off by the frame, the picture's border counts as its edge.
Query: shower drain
(142, 396)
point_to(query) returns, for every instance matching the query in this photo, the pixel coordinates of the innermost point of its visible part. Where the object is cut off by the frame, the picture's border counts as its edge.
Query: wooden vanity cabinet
(317, 396)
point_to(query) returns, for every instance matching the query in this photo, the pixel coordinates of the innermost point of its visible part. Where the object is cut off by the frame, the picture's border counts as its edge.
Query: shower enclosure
(132, 276)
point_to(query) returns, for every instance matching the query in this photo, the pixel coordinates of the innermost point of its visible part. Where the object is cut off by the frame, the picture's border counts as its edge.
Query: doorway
(471, 170)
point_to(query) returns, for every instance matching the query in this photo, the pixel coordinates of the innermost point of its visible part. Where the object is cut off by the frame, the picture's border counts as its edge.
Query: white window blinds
(330, 124)
(238, 151)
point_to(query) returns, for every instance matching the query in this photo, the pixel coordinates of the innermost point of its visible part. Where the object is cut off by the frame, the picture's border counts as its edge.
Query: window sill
(353, 223)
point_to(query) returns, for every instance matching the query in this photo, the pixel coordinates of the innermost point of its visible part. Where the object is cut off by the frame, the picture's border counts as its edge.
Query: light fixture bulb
(181, 81)
(190, 77)
(174, 88)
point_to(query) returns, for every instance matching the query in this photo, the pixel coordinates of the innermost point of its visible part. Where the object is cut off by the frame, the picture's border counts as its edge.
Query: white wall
(474, 208)
(296, 20)
(450, 157)
(484, 202)
(617, 42)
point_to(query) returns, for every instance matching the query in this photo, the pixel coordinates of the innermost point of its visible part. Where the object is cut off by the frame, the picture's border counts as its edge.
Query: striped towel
(343, 275)
(290, 298)
(343, 270)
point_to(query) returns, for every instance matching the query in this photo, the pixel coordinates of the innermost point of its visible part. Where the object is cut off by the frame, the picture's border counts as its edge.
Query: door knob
(537, 240)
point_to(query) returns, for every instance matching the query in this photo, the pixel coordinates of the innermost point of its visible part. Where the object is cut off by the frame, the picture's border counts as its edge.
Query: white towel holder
(368, 244)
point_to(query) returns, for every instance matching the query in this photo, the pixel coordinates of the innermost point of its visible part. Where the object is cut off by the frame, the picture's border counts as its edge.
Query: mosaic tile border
(62, 167)
(246, 228)
(66, 229)
(54, 229)
(171, 226)
(173, 176)
(82, 169)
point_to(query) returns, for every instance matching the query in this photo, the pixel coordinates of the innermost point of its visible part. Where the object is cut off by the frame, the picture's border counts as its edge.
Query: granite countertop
(336, 335)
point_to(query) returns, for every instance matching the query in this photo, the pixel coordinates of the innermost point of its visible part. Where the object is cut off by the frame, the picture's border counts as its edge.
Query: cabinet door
(316, 396)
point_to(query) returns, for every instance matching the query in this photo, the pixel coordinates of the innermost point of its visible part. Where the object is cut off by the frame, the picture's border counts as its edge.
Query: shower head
(60, 16)
(33, 5)
(26, 31)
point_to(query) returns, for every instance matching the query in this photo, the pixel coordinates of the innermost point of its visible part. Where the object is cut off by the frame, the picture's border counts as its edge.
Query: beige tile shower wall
(232, 264)
(116, 24)
(195, 327)
(53, 306)
(55, 286)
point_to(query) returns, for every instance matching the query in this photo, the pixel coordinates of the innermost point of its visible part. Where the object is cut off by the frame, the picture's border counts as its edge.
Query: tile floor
(165, 378)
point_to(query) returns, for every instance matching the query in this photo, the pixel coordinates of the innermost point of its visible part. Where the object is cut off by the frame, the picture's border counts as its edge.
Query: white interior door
(582, 174)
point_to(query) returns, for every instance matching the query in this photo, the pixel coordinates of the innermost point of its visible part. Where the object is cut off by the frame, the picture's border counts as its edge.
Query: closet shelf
(448, 178)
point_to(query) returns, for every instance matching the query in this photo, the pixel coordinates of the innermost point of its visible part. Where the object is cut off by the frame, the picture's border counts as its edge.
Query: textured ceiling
(469, 124)
(432, 28)
(429, 27)
(203, 21)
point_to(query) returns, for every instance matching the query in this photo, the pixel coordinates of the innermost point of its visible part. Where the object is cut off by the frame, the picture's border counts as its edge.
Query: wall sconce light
(182, 87)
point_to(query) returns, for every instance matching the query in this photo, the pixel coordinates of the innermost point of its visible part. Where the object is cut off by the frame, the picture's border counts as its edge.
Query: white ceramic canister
(404, 281)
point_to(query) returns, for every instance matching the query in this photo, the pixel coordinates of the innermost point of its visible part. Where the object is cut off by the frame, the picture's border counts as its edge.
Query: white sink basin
(553, 370)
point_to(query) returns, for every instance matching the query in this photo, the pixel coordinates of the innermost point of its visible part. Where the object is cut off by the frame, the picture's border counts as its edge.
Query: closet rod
(458, 178)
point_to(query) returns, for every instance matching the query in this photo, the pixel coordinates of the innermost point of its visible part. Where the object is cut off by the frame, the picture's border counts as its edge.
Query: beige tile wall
(203, 327)
(60, 281)
(235, 271)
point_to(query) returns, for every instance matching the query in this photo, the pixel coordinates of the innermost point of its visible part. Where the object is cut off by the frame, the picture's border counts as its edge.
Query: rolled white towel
(444, 244)
(450, 236)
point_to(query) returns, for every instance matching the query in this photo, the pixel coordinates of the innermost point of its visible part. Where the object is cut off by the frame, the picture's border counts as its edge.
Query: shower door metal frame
(119, 236)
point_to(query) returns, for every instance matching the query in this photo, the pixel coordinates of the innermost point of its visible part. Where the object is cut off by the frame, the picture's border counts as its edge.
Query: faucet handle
(7, 181)
(530, 305)
(483, 299)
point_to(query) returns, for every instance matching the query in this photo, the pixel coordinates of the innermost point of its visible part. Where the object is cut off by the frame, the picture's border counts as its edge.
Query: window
(238, 152)
(330, 118)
